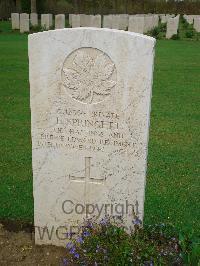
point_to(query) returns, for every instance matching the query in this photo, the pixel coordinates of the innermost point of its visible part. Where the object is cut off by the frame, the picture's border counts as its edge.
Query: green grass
(172, 192)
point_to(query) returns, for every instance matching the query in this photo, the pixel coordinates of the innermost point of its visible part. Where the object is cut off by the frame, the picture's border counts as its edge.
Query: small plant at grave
(175, 37)
(189, 34)
(108, 243)
(184, 22)
(158, 32)
(35, 28)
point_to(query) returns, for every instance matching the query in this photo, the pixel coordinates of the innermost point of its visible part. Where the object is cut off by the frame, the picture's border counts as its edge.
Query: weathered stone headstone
(155, 21)
(46, 21)
(84, 21)
(95, 21)
(91, 21)
(107, 21)
(24, 23)
(60, 21)
(123, 21)
(116, 22)
(15, 21)
(76, 21)
(136, 24)
(172, 27)
(197, 24)
(189, 18)
(34, 19)
(148, 23)
(90, 105)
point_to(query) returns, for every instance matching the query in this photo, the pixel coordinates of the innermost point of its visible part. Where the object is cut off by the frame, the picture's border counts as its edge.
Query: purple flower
(86, 233)
(104, 221)
(65, 262)
(80, 240)
(137, 221)
(76, 255)
(69, 245)
(72, 250)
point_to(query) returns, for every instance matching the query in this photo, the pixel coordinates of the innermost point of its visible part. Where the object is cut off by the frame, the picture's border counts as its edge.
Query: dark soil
(18, 248)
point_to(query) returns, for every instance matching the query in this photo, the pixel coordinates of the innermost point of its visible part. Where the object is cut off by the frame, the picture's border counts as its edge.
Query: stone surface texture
(34, 19)
(24, 22)
(90, 95)
(136, 24)
(91, 21)
(107, 21)
(172, 27)
(46, 21)
(15, 21)
(197, 23)
(76, 21)
(60, 21)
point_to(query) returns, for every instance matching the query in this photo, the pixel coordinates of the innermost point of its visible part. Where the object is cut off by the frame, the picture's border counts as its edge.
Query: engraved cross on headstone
(87, 178)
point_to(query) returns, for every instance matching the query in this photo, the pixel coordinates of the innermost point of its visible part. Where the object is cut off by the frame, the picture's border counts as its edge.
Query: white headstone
(60, 21)
(148, 23)
(46, 21)
(34, 19)
(96, 21)
(107, 21)
(24, 22)
(136, 24)
(15, 21)
(84, 20)
(91, 21)
(189, 18)
(123, 21)
(116, 22)
(90, 105)
(197, 24)
(155, 21)
(76, 21)
(172, 27)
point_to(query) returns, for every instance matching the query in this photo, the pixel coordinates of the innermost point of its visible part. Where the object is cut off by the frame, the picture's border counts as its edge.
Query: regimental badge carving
(88, 75)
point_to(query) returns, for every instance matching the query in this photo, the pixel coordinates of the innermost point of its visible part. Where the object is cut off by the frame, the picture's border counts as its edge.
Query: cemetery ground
(172, 191)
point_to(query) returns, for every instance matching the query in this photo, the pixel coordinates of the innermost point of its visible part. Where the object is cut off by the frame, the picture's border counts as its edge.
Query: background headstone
(84, 20)
(116, 22)
(123, 21)
(107, 21)
(15, 21)
(148, 23)
(46, 21)
(76, 21)
(197, 23)
(136, 24)
(34, 19)
(24, 22)
(60, 21)
(90, 105)
(189, 18)
(172, 27)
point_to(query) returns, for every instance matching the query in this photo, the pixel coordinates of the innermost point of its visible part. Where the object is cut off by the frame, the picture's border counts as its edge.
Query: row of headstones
(135, 23)
(140, 23)
(23, 21)
(193, 20)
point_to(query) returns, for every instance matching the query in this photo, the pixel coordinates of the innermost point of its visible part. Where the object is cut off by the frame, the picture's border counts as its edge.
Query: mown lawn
(172, 192)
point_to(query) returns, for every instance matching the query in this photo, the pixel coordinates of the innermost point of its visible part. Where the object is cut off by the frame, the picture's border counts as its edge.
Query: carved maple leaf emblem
(89, 77)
